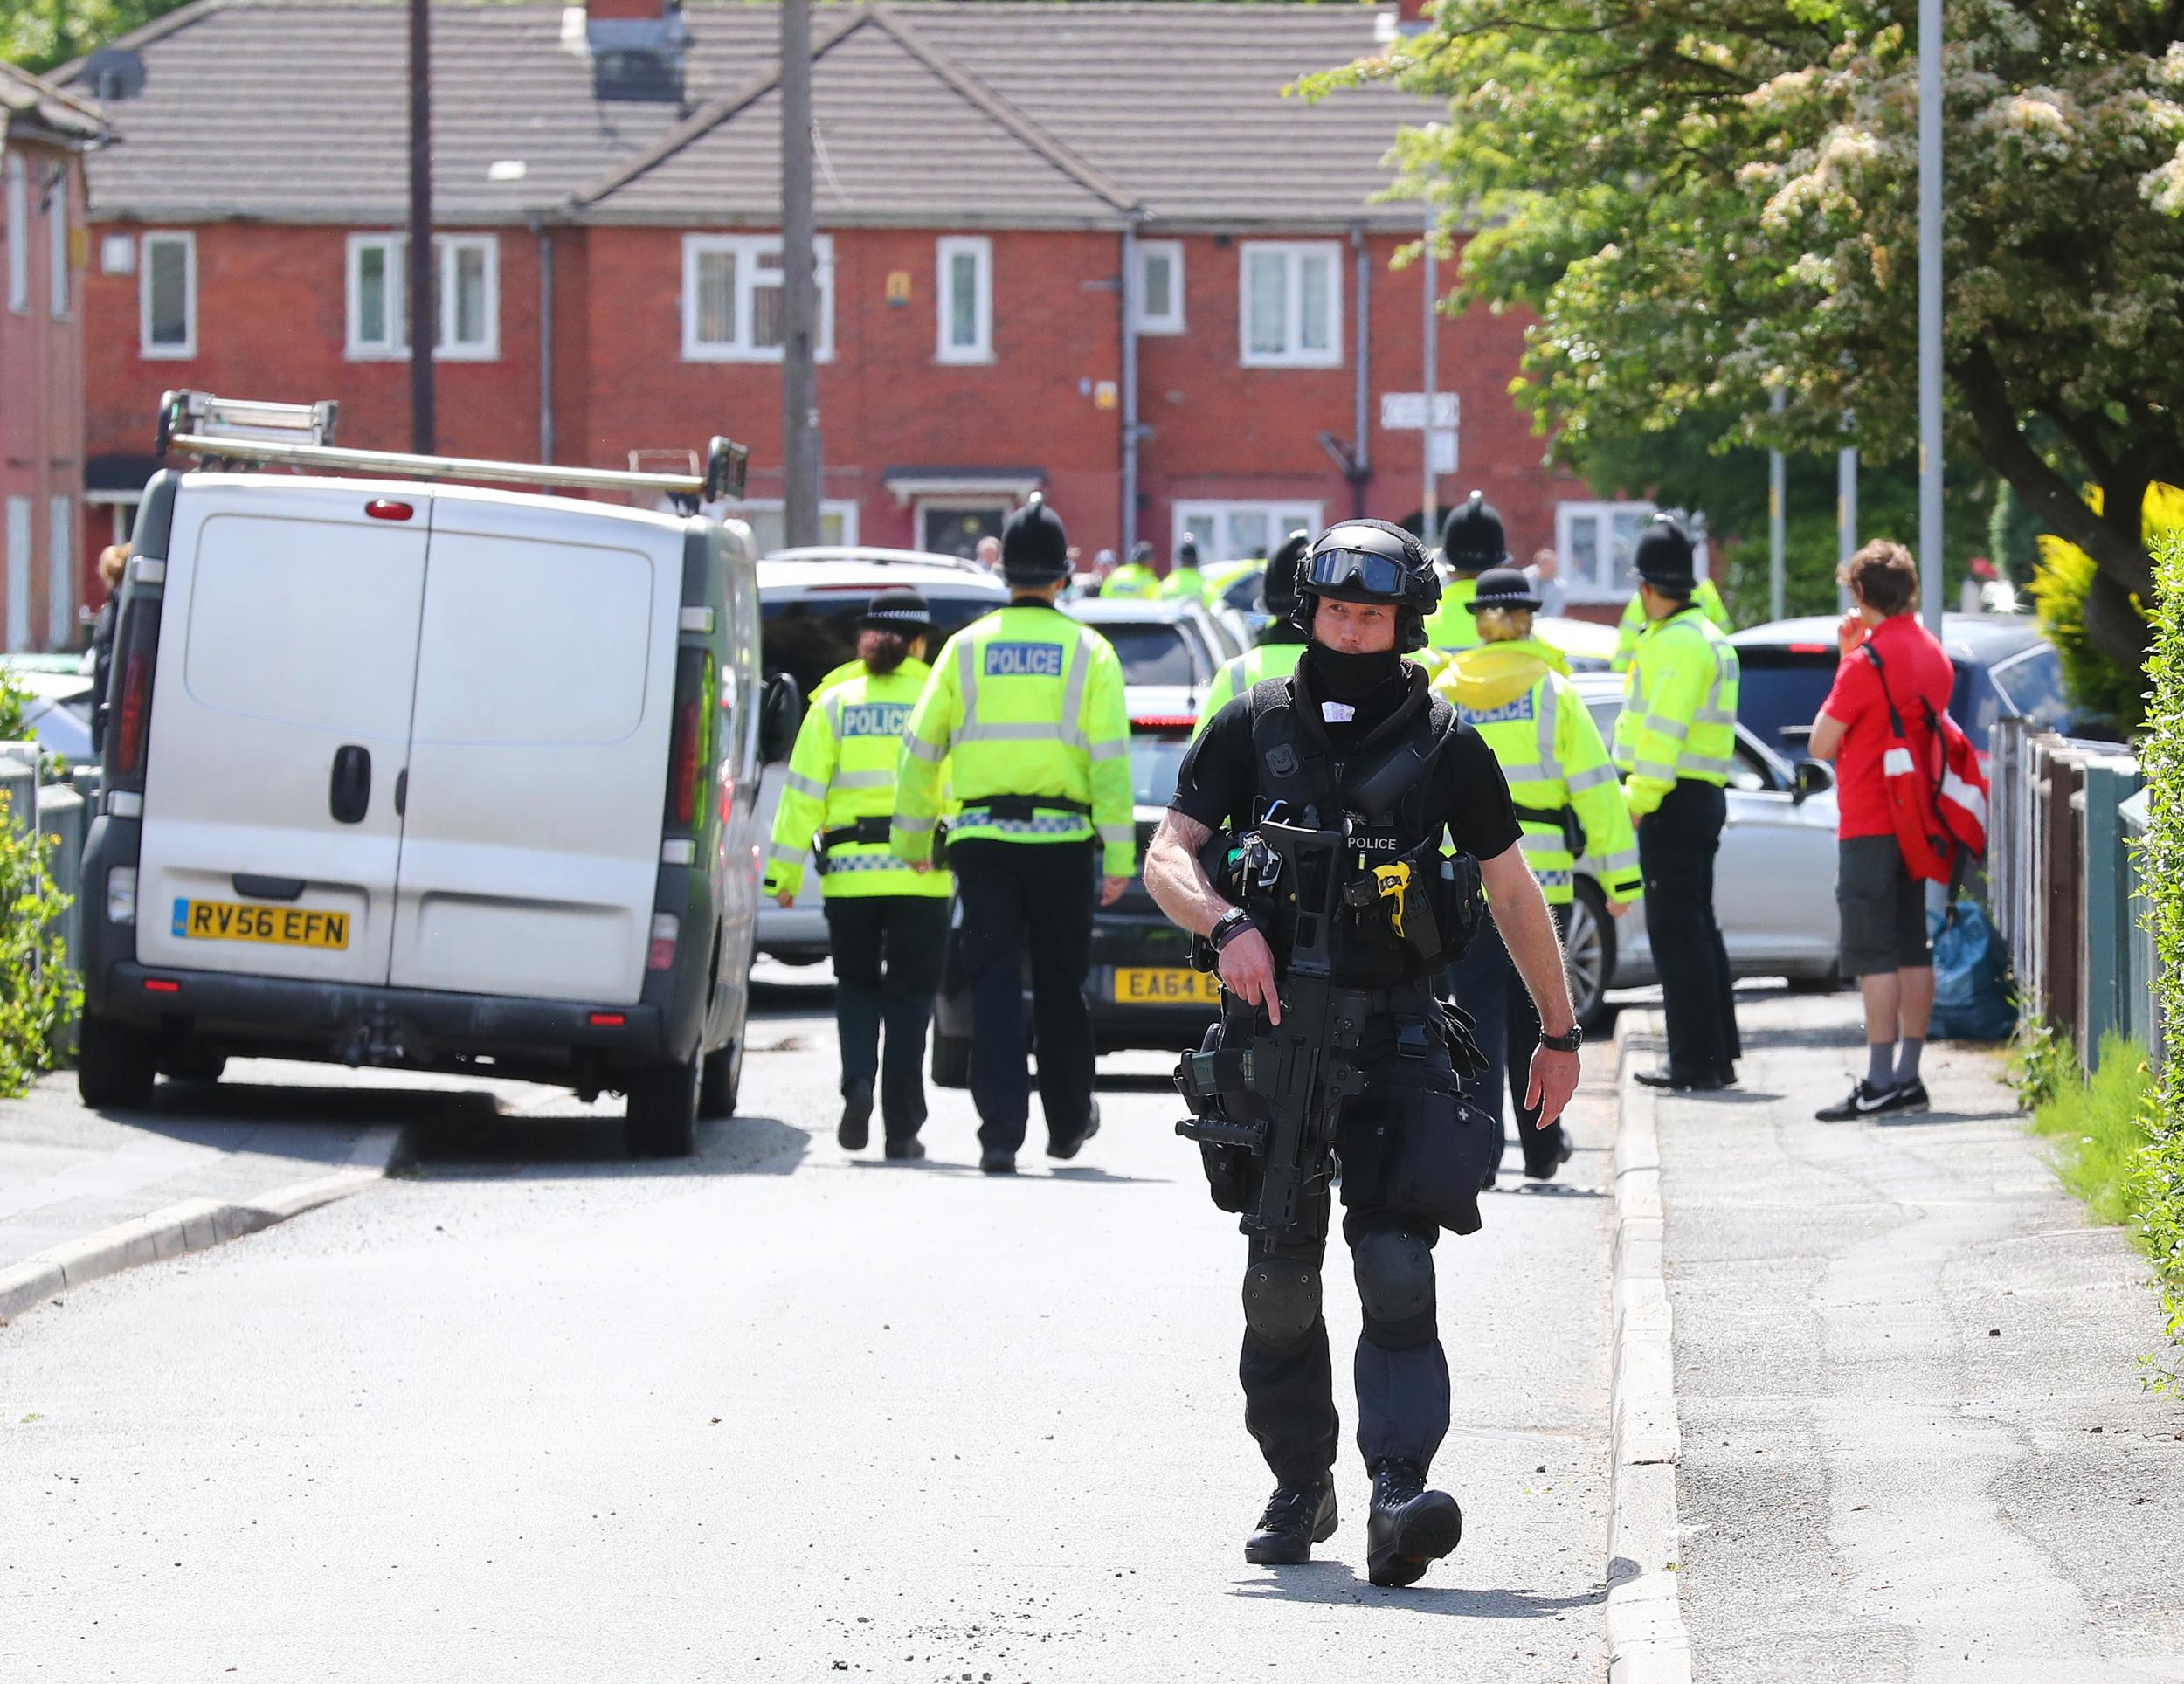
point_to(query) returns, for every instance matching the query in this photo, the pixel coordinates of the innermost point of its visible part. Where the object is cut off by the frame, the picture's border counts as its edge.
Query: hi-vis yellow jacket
(1185, 582)
(1632, 626)
(1516, 695)
(841, 771)
(1269, 660)
(1132, 579)
(1024, 705)
(1679, 717)
(1452, 625)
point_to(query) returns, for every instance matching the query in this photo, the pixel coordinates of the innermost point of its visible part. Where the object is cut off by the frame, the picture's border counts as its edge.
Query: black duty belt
(865, 830)
(1026, 806)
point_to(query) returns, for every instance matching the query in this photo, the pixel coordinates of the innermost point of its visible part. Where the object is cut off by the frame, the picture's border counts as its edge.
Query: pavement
(1915, 1442)
(527, 1410)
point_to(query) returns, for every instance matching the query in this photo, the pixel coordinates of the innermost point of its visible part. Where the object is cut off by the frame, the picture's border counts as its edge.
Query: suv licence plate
(228, 921)
(1183, 986)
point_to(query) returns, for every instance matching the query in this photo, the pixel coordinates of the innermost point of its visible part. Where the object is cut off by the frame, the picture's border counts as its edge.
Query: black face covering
(1352, 679)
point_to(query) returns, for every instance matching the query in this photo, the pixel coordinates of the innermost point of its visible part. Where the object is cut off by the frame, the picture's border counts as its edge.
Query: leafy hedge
(39, 991)
(2157, 1190)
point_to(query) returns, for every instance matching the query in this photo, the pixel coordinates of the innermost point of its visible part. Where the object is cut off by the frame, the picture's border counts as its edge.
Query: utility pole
(1429, 510)
(1929, 535)
(799, 385)
(424, 296)
(1777, 523)
(1846, 516)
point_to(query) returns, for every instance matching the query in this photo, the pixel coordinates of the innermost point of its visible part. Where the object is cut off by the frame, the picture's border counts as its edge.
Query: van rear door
(281, 721)
(537, 768)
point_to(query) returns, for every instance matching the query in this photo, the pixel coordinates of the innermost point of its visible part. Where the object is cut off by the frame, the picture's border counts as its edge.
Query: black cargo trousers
(1400, 1371)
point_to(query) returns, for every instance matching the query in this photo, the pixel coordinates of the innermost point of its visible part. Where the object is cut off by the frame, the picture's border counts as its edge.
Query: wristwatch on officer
(1568, 1041)
(1228, 926)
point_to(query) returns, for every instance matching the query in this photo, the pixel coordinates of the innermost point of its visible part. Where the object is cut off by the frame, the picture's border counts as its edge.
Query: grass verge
(2100, 1127)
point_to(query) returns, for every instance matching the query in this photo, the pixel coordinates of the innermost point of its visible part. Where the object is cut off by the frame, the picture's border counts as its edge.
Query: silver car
(1774, 880)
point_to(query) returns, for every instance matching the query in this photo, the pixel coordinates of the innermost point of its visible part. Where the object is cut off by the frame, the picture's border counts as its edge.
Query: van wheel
(116, 1063)
(662, 1118)
(194, 1064)
(951, 1061)
(723, 1081)
(1588, 950)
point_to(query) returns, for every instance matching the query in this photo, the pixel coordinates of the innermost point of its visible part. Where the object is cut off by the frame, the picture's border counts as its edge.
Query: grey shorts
(1884, 907)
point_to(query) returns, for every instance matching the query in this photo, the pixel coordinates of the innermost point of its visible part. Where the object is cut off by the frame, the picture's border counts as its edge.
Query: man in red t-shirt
(1882, 906)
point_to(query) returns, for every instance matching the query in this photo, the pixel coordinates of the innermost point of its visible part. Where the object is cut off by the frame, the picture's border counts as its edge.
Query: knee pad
(1395, 1279)
(1281, 1299)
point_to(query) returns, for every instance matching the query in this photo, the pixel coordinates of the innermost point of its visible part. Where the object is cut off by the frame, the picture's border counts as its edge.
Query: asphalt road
(533, 1412)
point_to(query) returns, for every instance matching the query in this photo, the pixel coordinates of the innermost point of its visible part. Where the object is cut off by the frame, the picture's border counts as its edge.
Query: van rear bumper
(390, 1026)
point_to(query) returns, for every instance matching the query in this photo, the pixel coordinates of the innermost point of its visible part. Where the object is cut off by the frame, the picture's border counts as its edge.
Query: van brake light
(136, 697)
(689, 730)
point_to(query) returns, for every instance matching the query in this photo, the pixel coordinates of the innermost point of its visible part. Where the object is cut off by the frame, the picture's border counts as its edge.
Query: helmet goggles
(1355, 570)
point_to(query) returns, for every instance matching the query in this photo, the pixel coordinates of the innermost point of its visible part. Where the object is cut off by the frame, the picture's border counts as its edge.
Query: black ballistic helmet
(1505, 587)
(898, 609)
(1663, 557)
(1035, 548)
(1365, 560)
(1279, 587)
(1473, 539)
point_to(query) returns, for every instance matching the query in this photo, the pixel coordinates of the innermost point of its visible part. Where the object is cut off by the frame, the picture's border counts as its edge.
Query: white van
(413, 773)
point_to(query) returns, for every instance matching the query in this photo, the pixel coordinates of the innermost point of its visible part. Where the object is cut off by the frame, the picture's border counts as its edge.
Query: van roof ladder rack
(218, 431)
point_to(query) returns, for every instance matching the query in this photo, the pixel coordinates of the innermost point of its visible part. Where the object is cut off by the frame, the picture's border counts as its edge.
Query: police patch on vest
(876, 719)
(1521, 709)
(1023, 660)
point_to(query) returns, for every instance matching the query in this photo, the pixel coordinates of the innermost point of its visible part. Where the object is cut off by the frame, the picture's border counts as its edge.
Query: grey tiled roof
(957, 112)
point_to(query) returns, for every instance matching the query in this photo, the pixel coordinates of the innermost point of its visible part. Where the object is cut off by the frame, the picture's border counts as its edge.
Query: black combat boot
(1410, 1527)
(1298, 1517)
(856, 1128)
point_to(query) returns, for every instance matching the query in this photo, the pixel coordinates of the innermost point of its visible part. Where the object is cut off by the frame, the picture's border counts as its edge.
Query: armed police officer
(1026, 704)
(1332, 792)
(1279, 644)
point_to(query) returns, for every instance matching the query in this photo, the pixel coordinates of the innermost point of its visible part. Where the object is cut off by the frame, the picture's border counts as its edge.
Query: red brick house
(1004, 192)
(44, 133)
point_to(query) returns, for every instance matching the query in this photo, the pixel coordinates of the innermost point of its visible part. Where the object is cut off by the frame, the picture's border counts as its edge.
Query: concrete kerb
(1647, 1642)
(195, 1224)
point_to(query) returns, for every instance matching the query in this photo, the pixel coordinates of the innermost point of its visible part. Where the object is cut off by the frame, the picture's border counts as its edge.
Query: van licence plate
(1147, 987)
(227, 921)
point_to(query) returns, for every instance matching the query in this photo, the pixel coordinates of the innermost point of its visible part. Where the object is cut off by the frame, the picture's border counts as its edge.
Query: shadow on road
(1338, 1582)
(291, 1119)
(590, 1145)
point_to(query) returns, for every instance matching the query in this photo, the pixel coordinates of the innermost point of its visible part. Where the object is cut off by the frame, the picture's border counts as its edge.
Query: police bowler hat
(1663, 557)
(1504, 587)
(898, 609)
(1035, 548)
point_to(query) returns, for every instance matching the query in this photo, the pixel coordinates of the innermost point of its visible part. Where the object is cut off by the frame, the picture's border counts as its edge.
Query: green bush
(2101, 1125)
(40, 993)
(2097, 683)
(2158, 1175)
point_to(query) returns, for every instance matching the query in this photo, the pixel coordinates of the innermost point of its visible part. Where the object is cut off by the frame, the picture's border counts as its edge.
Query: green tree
(39, 34)
(1708, 201)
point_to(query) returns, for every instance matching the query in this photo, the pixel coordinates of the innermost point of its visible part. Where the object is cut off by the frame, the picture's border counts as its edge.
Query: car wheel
(1588, 949)
(723, 1080)
(116, 1063)
(662, 1118)
(194, 1064)
(951, 1061)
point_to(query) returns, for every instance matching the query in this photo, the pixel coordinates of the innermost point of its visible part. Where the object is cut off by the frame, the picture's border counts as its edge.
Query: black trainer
(909, 1146)
(1068, 1148)
(1298, 1517)
(1865, 1101)
(1911, 1096)
(998, 1163)
(1410, 1528)
(856, 1128)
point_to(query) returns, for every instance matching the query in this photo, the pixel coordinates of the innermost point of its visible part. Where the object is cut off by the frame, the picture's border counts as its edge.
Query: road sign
(1442, 444)
(1405, 412)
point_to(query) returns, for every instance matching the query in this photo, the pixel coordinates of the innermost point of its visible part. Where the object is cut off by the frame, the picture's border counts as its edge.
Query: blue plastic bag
(1971, 995)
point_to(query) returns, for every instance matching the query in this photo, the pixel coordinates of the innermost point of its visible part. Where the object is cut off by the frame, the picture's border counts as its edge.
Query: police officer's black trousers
(1022, 898)
(887, 955)
(1505, 1024)
(1676, 844)
(1400, 1371)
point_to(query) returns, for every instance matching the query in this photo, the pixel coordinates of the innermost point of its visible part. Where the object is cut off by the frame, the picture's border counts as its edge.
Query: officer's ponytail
(881, 651)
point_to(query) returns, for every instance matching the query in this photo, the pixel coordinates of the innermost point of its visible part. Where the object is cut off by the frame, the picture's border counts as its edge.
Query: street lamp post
(1930, 536)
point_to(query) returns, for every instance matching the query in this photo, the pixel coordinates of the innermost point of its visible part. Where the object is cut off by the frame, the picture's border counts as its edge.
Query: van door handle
(268, 888)
(348, 794)
(402, 792)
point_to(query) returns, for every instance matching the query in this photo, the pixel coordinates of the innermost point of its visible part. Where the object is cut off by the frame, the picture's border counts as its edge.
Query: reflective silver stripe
(1546, 713)
(1654, 769)
(1115, 750)
(1073, 697)
(1543, 842)
(784, 854)
(1022, 730)
(1622, 859)
(1700, 765)
(911, 826)
(831, 706)
(934, 753)
(883, 778)
(1517, 775)
(1112, 833)
(1675, 730)
(1589, 779)
(1714, 715)
(967, 677)
(803, 785)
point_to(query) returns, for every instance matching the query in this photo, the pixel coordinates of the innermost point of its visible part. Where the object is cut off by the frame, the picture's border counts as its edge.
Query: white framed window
(1159, 287)
(735, 307)
(1231, 532)
(467, 275)
(964, 291)
(18, 573)
(1290, 304)
(57, 299)
(1593, 545)
(60, 572)
(18, 234)
(167, 296)
(119, 521)
(769, 521)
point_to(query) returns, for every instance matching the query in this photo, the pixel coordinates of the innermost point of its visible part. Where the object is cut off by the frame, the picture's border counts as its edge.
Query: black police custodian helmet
(1035, 548)
(898, 609)
(1505, 587)
(1279, 587)
(1363, 561)
(1664, 555)
(1473, 539)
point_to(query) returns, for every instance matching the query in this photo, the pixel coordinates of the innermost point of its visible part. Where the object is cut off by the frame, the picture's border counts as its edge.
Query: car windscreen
(1154, 761)
(2032, 683)
(809, 637)
(1153, 651)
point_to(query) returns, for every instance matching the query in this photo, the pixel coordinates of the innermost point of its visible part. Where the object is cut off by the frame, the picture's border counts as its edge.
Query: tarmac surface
(533, 1412)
